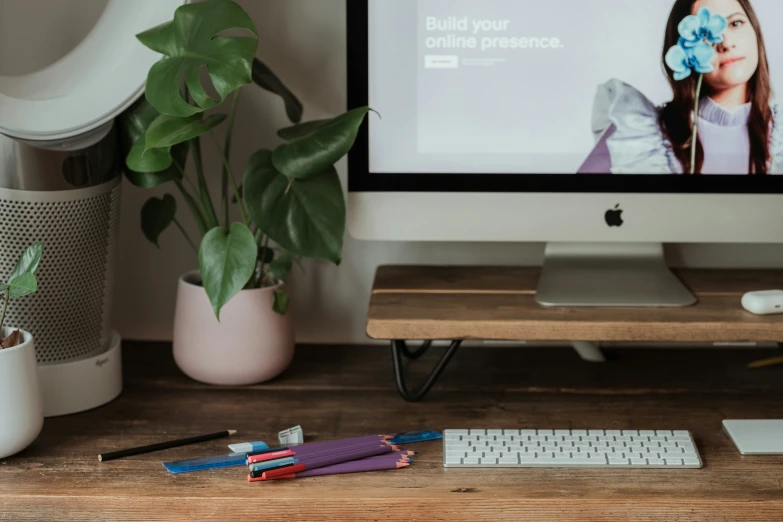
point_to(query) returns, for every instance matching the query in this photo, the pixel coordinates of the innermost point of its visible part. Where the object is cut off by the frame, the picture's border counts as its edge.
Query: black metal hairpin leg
(400, 349)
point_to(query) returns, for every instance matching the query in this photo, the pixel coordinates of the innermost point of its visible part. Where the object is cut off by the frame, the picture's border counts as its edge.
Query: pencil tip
(232, 432)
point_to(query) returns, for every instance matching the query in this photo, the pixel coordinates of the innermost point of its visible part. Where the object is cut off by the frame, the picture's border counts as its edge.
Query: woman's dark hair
(676, 116)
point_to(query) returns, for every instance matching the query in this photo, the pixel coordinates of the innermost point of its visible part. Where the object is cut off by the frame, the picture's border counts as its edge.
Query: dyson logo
(100, 362)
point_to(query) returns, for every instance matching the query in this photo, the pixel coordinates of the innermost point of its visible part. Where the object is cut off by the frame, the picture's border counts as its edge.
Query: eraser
(291, 436)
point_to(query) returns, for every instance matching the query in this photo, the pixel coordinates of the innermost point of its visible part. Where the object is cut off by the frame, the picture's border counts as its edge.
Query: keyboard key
(546, 432)
(678, 439)
(456, 454)
(528, 432)
(595, 432)
(489, 460)
(578, 432)
(656, 462)
(630, 433)
(614, 432)
(509, 460)
(478, 432)
(674, 462)
(638, 462)
(618, 462)
(558, 462)
(647, 433)
(453, 460)
(511, 432)
(681, 434)
(494, 432)
(691, 462)
(455, 432)
(563, 432)
(471, 460)
(663, 433)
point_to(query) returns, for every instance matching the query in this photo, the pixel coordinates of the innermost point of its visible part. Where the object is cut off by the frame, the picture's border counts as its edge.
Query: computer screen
(574, 87)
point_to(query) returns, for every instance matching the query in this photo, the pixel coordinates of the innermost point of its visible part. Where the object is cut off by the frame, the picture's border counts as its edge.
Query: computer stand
(400, 349)
(497, 304)
(617, 275)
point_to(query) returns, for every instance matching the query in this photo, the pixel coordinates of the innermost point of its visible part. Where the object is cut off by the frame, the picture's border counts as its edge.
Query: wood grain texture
(497, 303)
(338, 392)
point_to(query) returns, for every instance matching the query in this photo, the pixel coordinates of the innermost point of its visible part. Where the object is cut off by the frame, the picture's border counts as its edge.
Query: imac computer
(570, 122)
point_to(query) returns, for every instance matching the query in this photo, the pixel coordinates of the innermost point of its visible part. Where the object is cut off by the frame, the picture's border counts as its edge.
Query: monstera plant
(290, 199)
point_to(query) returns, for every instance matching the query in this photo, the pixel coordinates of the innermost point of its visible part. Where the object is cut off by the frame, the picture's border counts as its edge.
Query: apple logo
(614, 217)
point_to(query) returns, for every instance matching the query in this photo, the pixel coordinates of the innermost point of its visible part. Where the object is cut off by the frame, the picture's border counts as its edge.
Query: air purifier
(60, 173)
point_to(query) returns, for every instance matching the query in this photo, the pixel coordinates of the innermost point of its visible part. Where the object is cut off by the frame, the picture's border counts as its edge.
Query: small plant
(21, 282)
(289, 197)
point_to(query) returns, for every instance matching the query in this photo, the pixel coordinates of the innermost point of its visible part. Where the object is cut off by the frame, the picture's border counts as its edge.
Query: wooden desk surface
(498, 303)
(339, 392)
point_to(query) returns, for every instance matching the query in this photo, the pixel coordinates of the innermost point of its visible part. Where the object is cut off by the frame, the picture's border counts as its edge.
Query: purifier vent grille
(69, 314)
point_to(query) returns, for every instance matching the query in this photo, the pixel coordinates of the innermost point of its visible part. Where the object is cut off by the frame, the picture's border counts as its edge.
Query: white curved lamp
(84, 91)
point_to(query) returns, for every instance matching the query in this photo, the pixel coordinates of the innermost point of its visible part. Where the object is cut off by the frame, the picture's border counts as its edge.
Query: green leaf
(149, 161)
(133, 125)
(268, 80)
(302, 130)
(280, 303)
(28, 262)
(167, 131)
(190, 43)
(227, 262)
(305, 217)
(281, 267)
(3, 287)
(319, 150)
(156, 216)
(22, 285)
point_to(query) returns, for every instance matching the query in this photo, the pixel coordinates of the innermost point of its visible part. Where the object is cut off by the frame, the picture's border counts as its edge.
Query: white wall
(304, 42)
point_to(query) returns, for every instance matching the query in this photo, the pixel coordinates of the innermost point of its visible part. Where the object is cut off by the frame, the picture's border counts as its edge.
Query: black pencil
(163, 445)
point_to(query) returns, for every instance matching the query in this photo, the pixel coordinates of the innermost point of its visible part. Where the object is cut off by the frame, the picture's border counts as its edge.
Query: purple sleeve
(599, 161)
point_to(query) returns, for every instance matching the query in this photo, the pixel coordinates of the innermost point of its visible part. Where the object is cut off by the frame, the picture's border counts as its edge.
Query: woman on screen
(737, 130)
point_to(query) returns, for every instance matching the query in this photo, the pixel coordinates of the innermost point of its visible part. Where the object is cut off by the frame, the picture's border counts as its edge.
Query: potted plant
(232, 324)
(21, 405)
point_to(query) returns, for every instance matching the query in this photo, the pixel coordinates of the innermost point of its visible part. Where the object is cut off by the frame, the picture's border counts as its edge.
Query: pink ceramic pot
(251, 343)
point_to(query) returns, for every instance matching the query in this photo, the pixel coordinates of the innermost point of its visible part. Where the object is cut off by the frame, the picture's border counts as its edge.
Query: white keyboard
(569, 449)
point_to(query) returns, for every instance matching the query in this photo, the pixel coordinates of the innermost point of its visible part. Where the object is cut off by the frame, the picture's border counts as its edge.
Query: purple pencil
(300, 452)
(316, 462)
(359, 466)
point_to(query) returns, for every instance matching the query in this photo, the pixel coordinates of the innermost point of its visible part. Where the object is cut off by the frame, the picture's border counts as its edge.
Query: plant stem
(6, 297)
(227, 149)
(187, 237)
(695, 138)
(262, 276)
(194, 208)
(203, 190)
(242, 208)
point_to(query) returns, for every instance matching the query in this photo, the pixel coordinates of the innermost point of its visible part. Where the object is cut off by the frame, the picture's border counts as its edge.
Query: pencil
(300, 451)
(359, 466)
(324, 444)
(163, 445)
(293, 459)
(321, 461)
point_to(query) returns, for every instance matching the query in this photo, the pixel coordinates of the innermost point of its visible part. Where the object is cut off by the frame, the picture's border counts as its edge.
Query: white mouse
(766, 302)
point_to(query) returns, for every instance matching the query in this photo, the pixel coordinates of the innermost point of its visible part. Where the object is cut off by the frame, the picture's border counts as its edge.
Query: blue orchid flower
(684, 60)
(694, 50)
(702, 26)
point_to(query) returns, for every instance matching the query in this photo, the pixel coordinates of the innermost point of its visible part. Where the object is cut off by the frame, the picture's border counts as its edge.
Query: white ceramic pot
(251, 343)
(21, 406)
